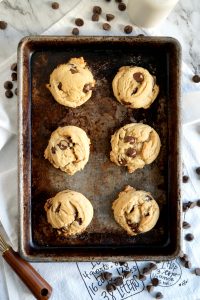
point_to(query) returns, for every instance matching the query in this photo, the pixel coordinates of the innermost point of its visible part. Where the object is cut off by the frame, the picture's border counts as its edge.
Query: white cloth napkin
(81, 281)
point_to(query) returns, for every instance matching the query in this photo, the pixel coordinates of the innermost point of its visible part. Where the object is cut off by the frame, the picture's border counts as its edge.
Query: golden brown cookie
(135, 87)
(71, 84)
(69, 212)
(68, 149)
(135, 211)
(134, 145)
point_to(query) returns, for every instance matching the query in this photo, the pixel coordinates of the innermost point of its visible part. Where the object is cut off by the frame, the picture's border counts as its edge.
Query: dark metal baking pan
(101, 180)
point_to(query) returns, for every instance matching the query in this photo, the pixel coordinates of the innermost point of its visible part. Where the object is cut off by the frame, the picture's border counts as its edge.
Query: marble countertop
(25, 17)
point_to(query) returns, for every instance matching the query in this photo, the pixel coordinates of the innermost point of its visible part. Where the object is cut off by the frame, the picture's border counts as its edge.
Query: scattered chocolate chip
(159, 295)
(9, 94)
(122, 162)
(128, 29)
(131, 152)
(142, 277)
(185, 207)
(197, 271)
(60, 86)
(79, 22)
(189, 237)
(138, 77)
(122, 6)
(87, 87)
(109, 17)
(53, 150)
(8, 85)
(198, 170)
(185, 178)
(97, 10)
(75, 31)
(14, 76)
(150, 288)
(196, 78)
(106, 26)
(186, 225)
(191, 204)
(110, 287)
(106, 275)
(14, 67)
(155, 281)
(58, 208)
(95, 17)
(198, 203)
(127, 274)
(122, 263)
(3, 25)
(55, 5)
(16, 91)
(188, 265)
(129, 139)
(118, 281)
(152, 266)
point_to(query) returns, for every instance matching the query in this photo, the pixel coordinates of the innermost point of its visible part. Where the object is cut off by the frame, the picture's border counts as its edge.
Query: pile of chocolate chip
(8, 85)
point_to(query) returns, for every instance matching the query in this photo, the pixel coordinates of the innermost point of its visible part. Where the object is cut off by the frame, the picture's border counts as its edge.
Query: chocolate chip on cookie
(53, 150)
(129, 139)
(131, 152)
(138, 77)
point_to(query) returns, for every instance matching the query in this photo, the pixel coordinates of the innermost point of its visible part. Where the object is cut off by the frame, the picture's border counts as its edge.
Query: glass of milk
(149, 13)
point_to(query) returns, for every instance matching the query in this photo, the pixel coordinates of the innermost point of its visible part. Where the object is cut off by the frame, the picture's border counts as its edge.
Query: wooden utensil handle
(36, 284)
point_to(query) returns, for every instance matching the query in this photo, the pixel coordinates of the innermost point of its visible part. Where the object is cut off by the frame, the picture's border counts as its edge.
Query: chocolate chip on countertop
(106, 26)
(128, 29)
(118, 281)
(122, 6)
(185, 257)
(14, 67)
(75, 31)
(55, 5)
(97, 10)
(106, 275)
(110, 287)
(140, 35)
(152, 266)
(192, 204)
(138, 77)
(185, 207)
(185, 178)
(196, 78)
(3, 25)
(127, 274)
(198, 203)
(9, 94)
(14, 76)
(118, 1)
(16, 91)
(155, 281)
(197, 271)
(142, 277)
(129, 139)
(198, 170)
(8, 85)
(189, 237)
(79, 22)
(188, 265)
(95, 17)
(186, 225)
(122, 263)
(146, 271)
(159, 295)
(150, 288)
(109, 17)
(131, 152)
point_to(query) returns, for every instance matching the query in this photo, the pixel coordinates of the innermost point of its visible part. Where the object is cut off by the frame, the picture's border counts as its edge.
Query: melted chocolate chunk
(53, 150)
(63, 145)
(58, 208)
(60, 86)
(138, 77)
(131, 152)
(129, 139)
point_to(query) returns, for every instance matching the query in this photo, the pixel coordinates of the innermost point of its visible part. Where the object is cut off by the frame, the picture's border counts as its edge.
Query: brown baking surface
(101, 180)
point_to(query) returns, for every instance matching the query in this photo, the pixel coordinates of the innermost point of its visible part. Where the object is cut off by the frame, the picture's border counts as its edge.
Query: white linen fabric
(81, 281)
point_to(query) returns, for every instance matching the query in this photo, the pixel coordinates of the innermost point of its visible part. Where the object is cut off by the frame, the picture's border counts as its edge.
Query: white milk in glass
(149, 13)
